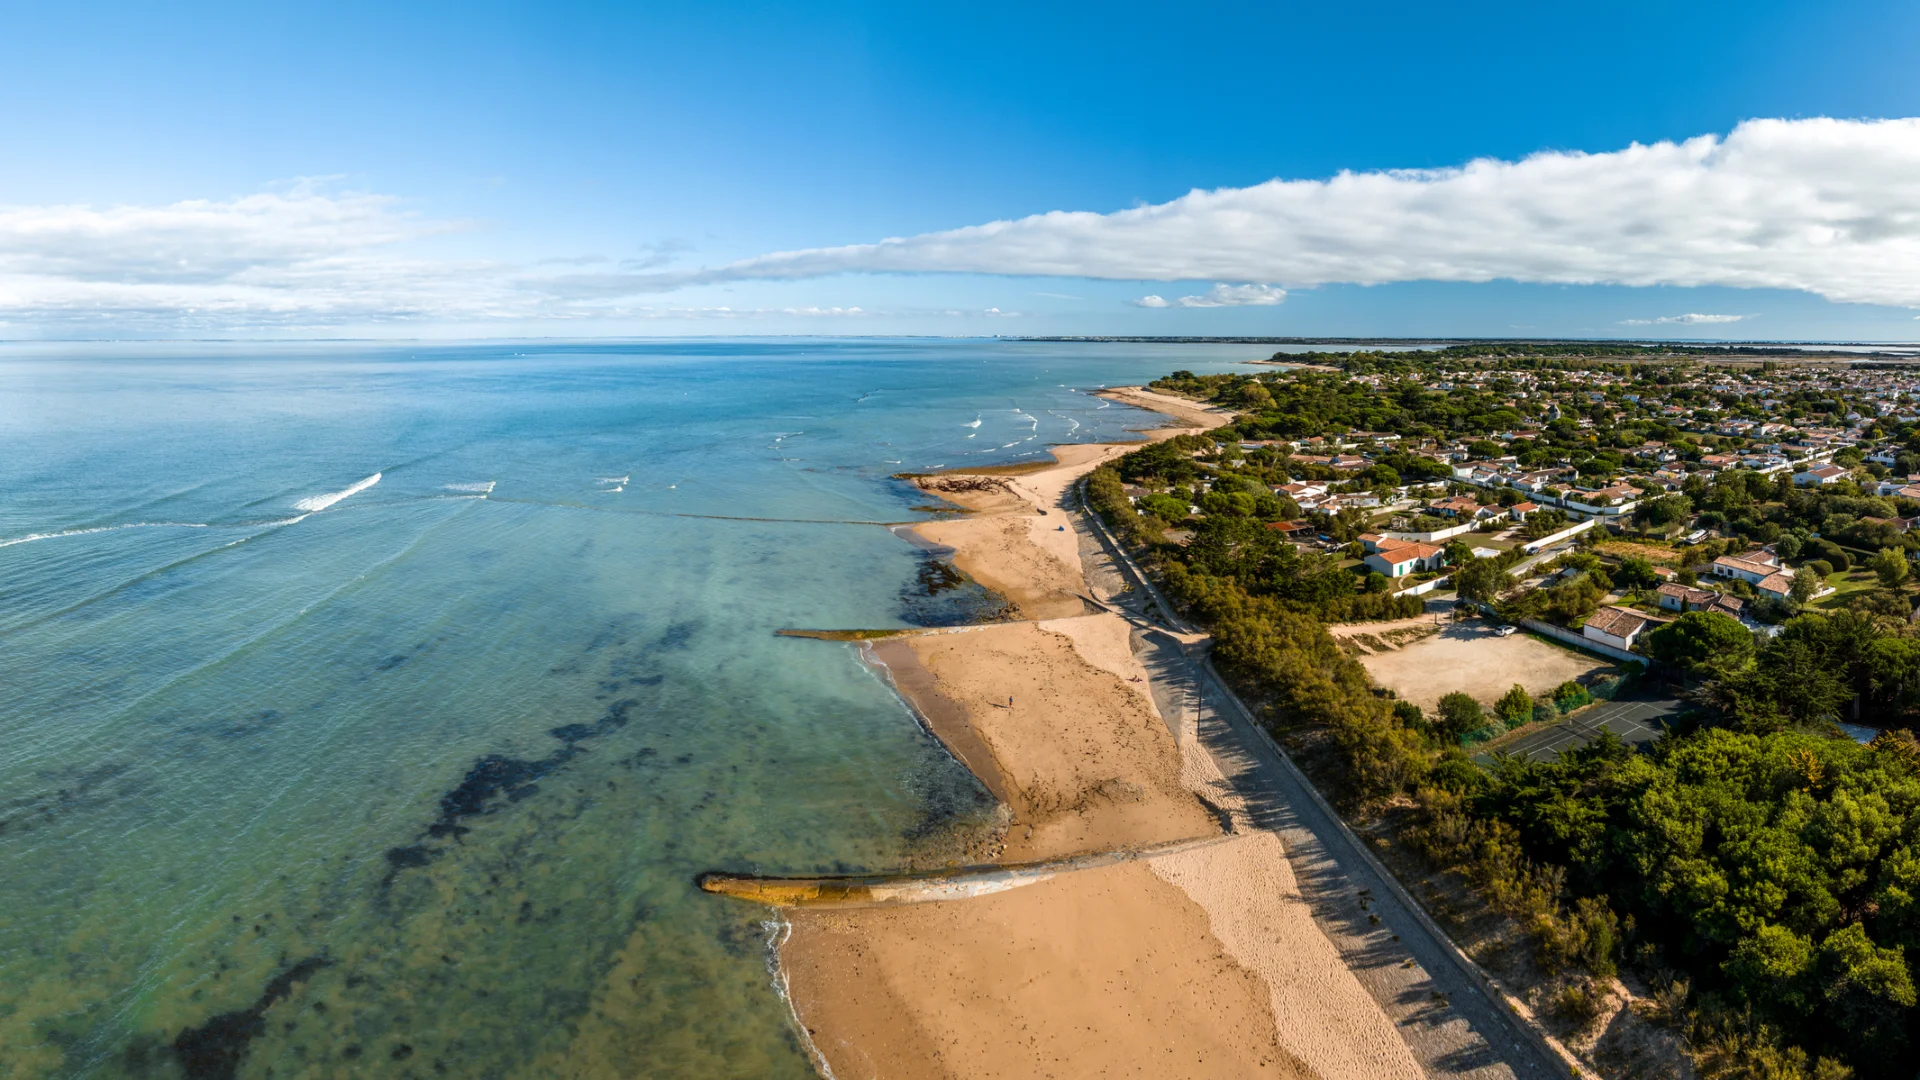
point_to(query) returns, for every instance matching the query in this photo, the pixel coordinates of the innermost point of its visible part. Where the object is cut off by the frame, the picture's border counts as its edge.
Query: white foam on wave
(320, 502)
(31, 537)
(975, 424)
(485, 487)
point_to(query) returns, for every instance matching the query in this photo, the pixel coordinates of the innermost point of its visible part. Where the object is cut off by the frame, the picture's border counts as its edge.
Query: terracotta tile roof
(1618, 622)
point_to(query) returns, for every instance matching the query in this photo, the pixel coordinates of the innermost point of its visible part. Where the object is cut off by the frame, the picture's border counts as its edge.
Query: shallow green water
(303, 775)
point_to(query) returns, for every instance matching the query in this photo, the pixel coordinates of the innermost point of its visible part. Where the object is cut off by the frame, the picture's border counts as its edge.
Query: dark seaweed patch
(937, 576)
(399, 658)
(214, 1050)
(82, 790)
(490, 776)
(612, 720)
(497, 779)
(940, 595)
(678, 635)
(413, 855)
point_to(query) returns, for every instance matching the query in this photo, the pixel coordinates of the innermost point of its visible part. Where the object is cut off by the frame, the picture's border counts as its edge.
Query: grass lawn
(1848, 582)
(1657, 555)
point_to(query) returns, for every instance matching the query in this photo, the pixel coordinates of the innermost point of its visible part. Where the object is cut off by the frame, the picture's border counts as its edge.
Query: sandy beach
(1203, 962)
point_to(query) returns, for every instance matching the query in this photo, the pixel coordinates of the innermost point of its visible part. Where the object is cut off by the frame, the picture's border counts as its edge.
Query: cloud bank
(1829, 207)
(1690, 319)
(1222, 295)
(298, 255)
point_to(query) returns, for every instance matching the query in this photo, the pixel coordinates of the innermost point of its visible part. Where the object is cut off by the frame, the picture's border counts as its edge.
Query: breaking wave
(320, 502)
(29, 538)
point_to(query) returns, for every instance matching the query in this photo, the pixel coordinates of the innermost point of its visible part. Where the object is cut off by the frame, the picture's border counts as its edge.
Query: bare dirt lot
(1469, 657)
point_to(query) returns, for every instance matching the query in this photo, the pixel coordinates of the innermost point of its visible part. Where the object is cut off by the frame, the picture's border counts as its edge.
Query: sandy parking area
(1468, 657)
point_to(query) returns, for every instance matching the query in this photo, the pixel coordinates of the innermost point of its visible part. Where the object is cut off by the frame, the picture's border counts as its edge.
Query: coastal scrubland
(1748, 883)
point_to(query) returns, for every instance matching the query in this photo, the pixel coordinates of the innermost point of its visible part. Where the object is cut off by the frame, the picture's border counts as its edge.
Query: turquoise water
(370, 710)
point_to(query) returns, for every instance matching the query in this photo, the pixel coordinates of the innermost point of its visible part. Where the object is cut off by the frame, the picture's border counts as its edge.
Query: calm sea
(372, 709)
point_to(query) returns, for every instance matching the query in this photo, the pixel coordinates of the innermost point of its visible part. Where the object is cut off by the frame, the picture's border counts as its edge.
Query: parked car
(1506, 631)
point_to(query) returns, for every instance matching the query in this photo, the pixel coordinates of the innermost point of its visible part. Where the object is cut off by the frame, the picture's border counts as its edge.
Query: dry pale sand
(1078, 754)
(1323, 1017)
(1185, 410)
(1110, 972)
(1019, 541)
(1203, 963)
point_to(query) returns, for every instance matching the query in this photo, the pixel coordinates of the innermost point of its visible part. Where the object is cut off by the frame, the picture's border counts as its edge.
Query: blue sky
(555, 169)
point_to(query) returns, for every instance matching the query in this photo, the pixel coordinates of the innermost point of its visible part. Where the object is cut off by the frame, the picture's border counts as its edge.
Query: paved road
(1637, 722)
(1452, 1026)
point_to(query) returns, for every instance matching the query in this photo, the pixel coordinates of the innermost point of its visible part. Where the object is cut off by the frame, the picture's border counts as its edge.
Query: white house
(1752, 569)
(1614, 626)
(1403, 559)
(1675, 597)
(1779, 586)
(1818, 475)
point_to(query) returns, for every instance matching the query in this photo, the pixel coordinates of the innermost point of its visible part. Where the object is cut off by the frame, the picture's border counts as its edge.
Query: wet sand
(1201, 963)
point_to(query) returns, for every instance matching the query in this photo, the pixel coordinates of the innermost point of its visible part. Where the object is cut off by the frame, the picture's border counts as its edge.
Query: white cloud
(300, 255)
(297, 257)
(1685, 320)
(1830, 207)
(1222, 296)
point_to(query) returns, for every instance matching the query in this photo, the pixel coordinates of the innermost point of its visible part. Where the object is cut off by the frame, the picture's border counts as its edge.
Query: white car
(1506, 631)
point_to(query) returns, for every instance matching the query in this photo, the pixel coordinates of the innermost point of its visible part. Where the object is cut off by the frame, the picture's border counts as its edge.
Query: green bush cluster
(1776, 868)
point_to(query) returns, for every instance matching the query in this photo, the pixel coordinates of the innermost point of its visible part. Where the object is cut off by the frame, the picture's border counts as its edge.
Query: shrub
(1515, 707)
(1570, 695)
(1409, 714)
(1580, 1001)
(1460, 714)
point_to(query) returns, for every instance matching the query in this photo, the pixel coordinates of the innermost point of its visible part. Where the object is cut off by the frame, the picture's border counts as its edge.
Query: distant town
(1656, 466)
